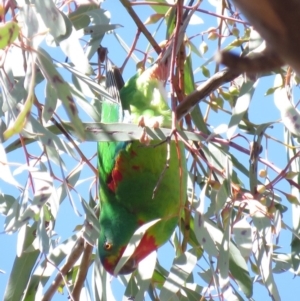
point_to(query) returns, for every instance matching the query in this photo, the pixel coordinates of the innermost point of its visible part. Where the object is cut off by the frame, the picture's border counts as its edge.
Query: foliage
(237, 204)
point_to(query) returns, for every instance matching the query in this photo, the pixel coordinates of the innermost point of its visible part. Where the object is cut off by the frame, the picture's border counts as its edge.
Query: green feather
(146, 96)
(129, 172)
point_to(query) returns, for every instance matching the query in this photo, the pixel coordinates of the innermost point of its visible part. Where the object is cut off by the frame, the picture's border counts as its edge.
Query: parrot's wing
(112, 111)
(114, 80)
(114, 83)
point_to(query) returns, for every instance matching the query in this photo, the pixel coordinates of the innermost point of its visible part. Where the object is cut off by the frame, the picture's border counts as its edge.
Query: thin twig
(131, 50)
(167, 165)
(66, 134)
(190, 7)
(141, 26)
(27, 161)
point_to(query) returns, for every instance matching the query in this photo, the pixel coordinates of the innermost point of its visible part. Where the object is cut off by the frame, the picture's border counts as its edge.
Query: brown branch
(281, 172)
(83, 269)
(278, 23)
(265, 61)
(75, 254)
(222, 77)
(179, 36)
(179, 13)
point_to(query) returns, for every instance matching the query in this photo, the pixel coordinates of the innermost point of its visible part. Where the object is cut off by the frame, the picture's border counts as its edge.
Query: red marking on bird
(133, 154)
(111, 184)
(117, 175)
(109, 263)
(146, 246)
(140, 222)
(113, 179)
(118, 161)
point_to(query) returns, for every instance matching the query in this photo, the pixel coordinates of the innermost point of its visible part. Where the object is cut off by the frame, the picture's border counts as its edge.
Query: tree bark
(278, 22)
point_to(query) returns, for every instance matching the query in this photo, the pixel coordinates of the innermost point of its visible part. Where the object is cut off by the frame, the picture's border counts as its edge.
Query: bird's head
(110, 252)
(115, 234)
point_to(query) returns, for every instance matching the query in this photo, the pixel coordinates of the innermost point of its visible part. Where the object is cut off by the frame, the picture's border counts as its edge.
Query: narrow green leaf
(239, 270)
(50, 102)
(63, 91)
(243, 237)
(144, 276)
(181, 269)
(22, 268)
(290, 116)
(51, 16)
(241, 106)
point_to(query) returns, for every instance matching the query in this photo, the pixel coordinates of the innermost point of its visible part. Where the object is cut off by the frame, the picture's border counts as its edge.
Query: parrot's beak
(129, 266)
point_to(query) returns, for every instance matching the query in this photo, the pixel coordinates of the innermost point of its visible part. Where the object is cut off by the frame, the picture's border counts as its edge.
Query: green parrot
(129, 172)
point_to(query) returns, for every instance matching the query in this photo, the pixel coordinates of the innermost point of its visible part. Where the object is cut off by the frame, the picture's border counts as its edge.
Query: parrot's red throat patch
(146, 246)
(115, 176)
(113, 179)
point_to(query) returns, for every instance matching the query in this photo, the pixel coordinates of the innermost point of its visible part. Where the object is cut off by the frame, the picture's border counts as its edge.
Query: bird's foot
(152, 122)
(144, 139)
(141, 121)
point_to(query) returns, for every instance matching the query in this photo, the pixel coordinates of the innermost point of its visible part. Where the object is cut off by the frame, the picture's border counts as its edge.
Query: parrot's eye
(107, 246)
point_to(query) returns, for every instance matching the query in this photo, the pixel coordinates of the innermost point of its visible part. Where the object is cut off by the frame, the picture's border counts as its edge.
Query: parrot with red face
(136, 187)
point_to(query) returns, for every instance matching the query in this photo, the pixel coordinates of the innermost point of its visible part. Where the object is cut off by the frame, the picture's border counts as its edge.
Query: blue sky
(262, 110)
